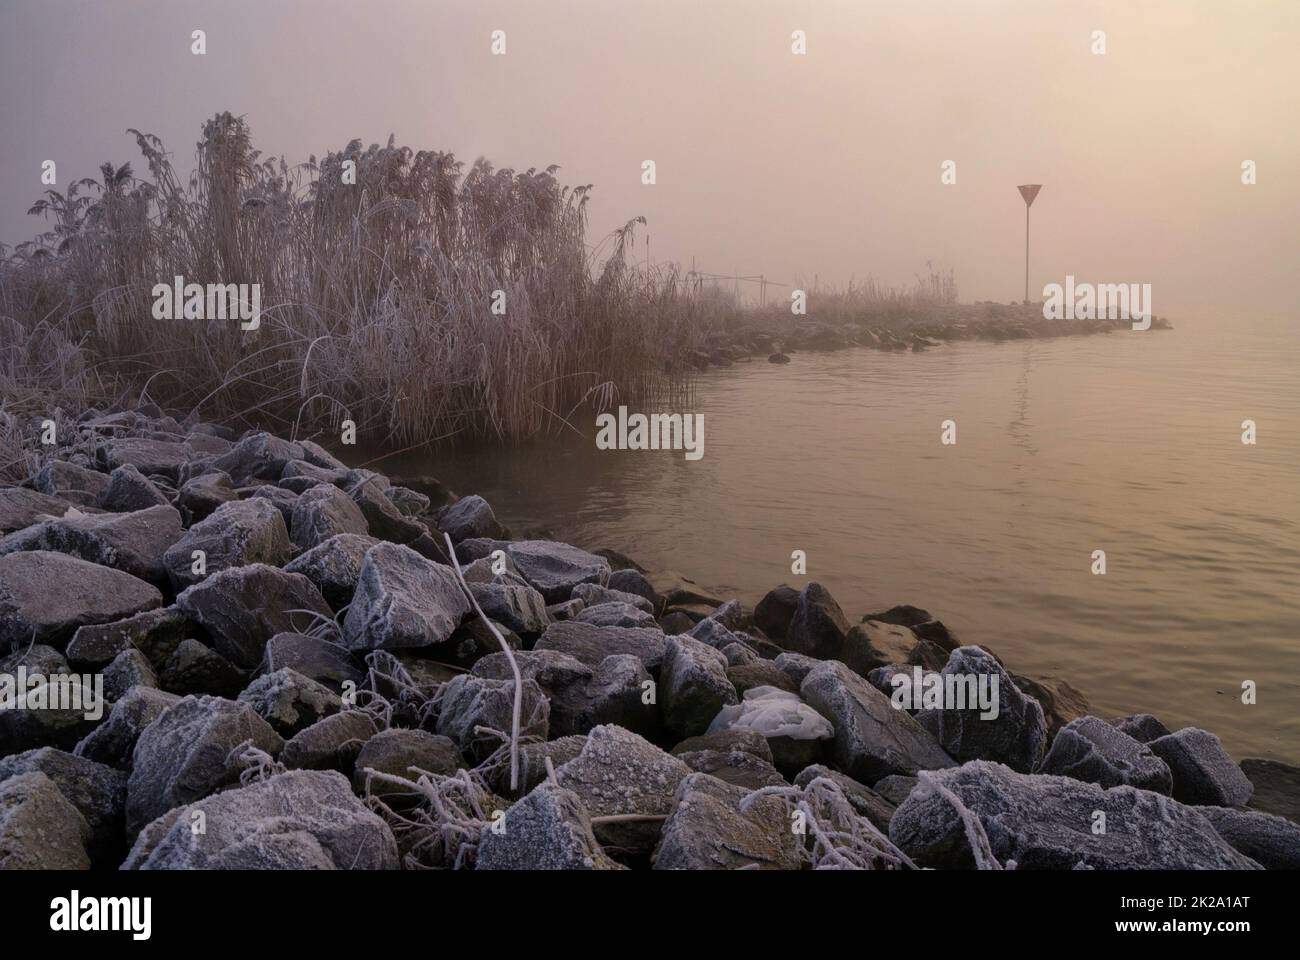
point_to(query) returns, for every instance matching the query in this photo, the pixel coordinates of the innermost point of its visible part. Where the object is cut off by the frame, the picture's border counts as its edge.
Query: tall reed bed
(376, 295)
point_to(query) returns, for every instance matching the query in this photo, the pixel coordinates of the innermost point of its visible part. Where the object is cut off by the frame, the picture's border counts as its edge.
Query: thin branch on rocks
(980, 847)
(258, 764)
(841, 838)
(444, 828)
(514, 667)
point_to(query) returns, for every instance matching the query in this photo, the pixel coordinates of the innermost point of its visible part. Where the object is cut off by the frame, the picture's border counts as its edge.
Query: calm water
(1129, 443)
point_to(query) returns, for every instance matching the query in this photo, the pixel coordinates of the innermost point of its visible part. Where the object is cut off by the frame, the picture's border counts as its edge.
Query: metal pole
(1026, 253)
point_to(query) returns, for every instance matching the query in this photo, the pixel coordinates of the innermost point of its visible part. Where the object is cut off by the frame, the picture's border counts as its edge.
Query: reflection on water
(1129, 443)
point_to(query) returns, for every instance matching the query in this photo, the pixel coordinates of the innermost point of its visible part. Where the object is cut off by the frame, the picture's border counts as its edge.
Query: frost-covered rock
(131, 542)
(1203, 773)
(469, 517)
(322, 512)
(872, 739)
(591, 644)
(45, 597)
(244, 607)
(1273, 842)
(618, 772)
(693, 685)
(299, 820)
(188, 752)
(818, 626)
(470, 702)
(403, 600)
(707, 830)
(1046, 822)
(289, 701)
(1091, 749)
(39, 828)
(113, 741)
(236, 534)
(554, 569)
(547, 830)
(334, 565)
(1016, 736)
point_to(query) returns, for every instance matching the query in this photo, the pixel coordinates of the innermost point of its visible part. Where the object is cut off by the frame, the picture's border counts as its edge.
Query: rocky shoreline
(295, 672)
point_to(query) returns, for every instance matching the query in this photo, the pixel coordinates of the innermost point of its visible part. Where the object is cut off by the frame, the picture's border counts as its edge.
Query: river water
(1128, 443)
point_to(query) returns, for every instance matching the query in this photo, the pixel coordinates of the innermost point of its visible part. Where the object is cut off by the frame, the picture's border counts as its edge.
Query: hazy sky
(792, 166)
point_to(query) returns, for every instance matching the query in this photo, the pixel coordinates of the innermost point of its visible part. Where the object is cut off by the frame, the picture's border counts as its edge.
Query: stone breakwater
(297, 676)
(775, 335)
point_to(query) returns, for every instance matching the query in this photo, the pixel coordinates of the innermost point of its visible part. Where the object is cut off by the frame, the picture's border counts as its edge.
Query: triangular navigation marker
(1029, 191)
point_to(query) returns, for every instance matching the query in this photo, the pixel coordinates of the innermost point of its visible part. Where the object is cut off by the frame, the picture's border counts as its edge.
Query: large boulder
(71, 482)
(327, 663)
(865, 801)
(156, 633)
(334, 565)
(618, 772)
(775, 611)
(1203, 772)
(921, 622)
(708, 830)
(259, 456)
(293, 821)
(236, 534)
(1045, 822)
(566, 682)
(591, 644)
(1091, 749)
(403, 600)
(131, 542)
(20, 508)
(547, 830)
(39, 828)
(1276, 786)
(45, 597)
(818, 626)
(872, 739)
(96, 790)
(693, 685)
(322, 512)
(873, 644)
(165, 457)
(554, 569)
(128, 489)
(1012, 731)
(470, 703)
(289, 701)
(511, 602)
(406, 754)
(196, 668)
(331, 743)
(244, 607)
(383, 517)
(189, 752)
(1273, 842)
(469, 517)
(615, 615)
(202, 495)
(113, 741)
(1060, 701)
(735, 767)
